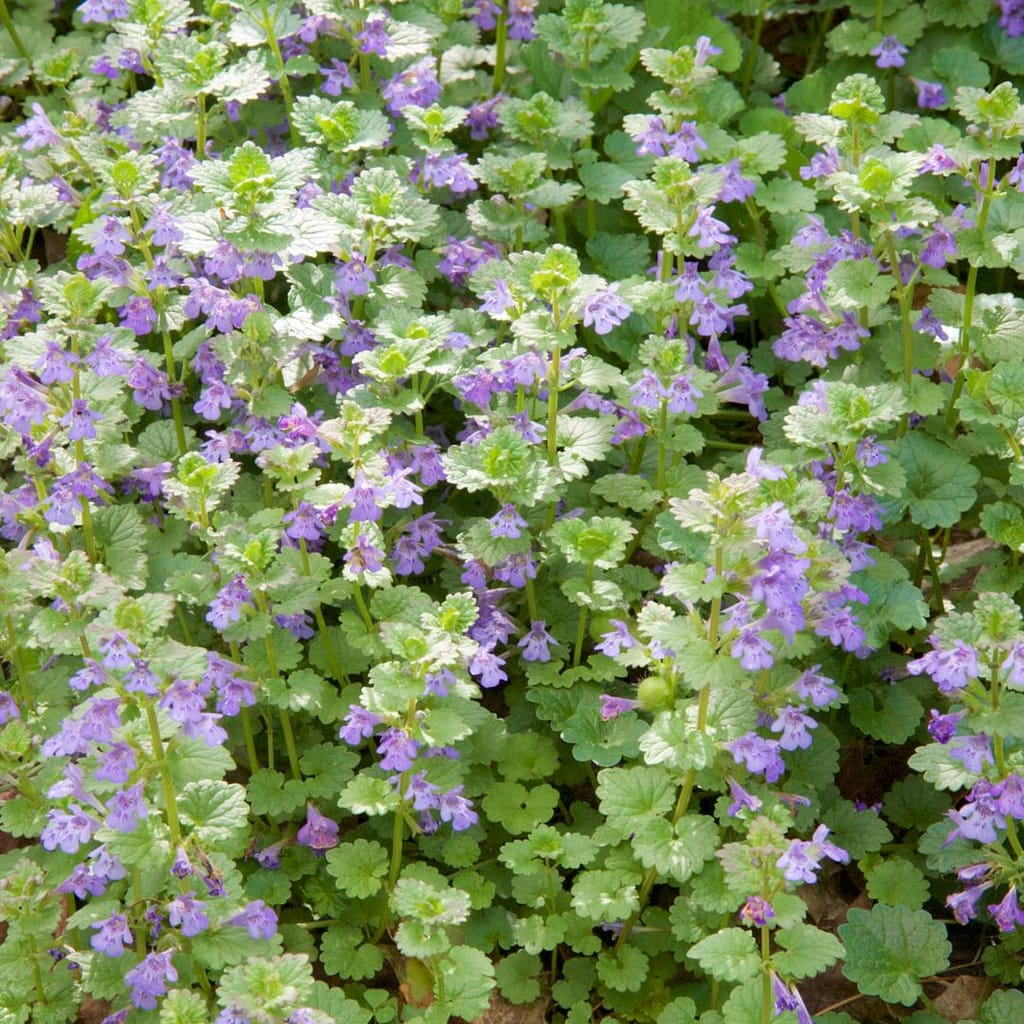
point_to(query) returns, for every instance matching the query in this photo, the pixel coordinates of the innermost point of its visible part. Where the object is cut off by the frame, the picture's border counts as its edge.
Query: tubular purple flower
(112, 935)
(148, 979)
(890, 53)
(319, 832)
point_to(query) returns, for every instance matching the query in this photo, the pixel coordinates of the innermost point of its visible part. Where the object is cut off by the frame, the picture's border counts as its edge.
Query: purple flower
(535, 644)
(617, 639)
(126, 807)
(760, 756)
(974, 751)
(336, 78)
(488, 668)
(187, 913)
(686, 144)
(38, 131)
(965, 904)
(229, 603)
(802, 861)
(116, 764)
(258, 919)
(930, 95)
(104, 10)
(148, 979)
(708, 230)
(112, 935)
(757, 911)
(819, 690)
(950, 669)
(363, 556)
(319, 832)
(416, 86)
(359, 724)
(497, 299)
(457, 809)
(612, 707)
(507, 522)
(138, 315)
(604, 310)
(795, 727)
(1007, 913)
(8, 708)
(397, 750)
(943, 727)
(150, 386)
(890, 53)
(741, 799)
(374, 37)
(787, 997)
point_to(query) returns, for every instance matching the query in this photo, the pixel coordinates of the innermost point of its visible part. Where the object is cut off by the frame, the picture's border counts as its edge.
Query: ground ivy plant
(511, 507)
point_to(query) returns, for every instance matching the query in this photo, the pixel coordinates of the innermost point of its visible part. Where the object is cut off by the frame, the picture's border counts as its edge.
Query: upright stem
(8, 24)
(170, 795)
(500, 46)
(964, 345)
(755, 42)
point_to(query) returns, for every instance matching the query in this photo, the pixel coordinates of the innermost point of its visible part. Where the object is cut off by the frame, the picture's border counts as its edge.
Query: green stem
(250, 741)
(682, 805)
(170, 796)
(8, 24)
(662, 436)
(755, 42)
(282, 81)
(581, 622)
(964, 344)
(200, 126)
(179, 425)
(767, 998)
(553, 383)
(140, 927)
(357, 595)
(321, 624)
(500, 47)
(37, 975)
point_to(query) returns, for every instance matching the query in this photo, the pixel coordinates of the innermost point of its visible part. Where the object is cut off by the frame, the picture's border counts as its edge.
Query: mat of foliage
(511, 511)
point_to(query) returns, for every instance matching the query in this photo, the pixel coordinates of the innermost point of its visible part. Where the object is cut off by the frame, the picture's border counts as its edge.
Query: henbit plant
(477, 477)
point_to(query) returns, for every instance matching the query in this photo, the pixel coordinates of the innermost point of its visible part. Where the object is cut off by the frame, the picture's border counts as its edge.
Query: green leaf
(897, 882)
(604, 895)
(271, 793)
(517, 808)
(676, 851)
(218, 948)
(783, 195)
(940, 768)
(464, 980)
(517, 976)
(366, 794)
(1005, 1007)
(857, 832)
(913, 803)
(265, 985)
(181, 1006)
(358, 867)
(624, 969)
(890, 949)
(218, 813)
(728, 955)
(344, 954)
(120, 533)
(631, 795)
(806, 951)
(940, 481)
(887, 713)
(856, 283)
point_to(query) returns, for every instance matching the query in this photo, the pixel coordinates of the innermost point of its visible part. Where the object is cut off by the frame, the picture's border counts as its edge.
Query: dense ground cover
(511, 510)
